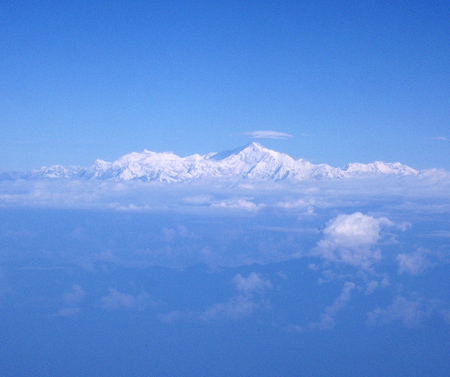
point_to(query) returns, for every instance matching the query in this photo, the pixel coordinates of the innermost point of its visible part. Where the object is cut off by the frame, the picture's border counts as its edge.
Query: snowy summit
(252, 161)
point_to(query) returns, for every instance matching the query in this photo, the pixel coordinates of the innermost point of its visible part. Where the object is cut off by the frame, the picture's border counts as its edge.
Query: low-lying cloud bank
(429, 193)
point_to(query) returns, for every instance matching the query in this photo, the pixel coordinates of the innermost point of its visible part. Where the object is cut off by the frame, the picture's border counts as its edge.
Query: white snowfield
(252, 161)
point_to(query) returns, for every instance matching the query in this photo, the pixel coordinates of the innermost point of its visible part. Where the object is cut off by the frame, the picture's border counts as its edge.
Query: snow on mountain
(56, 171)
(148, 166)
(380, 167)
(252, 161)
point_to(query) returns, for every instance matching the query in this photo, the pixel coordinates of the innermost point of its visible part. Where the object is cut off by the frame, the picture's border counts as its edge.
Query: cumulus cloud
(413, 263)
(354, 230)
(410, 313)
(349, 239)
(267, 135)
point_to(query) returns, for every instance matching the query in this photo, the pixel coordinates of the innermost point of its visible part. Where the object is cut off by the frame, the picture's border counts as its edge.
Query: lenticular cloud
(267, 135)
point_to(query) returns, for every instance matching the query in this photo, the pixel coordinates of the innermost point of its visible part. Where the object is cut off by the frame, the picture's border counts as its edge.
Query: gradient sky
(350, 81)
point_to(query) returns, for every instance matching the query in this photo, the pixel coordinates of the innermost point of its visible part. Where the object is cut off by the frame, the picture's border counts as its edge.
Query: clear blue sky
(349, 80)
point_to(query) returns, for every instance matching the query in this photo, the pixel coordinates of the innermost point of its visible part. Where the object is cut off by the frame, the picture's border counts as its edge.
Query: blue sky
(350, 81)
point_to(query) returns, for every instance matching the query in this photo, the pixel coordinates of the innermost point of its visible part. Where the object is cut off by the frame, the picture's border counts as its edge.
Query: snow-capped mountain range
(252, 161)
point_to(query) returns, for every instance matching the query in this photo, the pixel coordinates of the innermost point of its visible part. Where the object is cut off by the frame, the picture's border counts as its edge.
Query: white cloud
(440, 233)
(299, 203)
(313, 267)
(350, 239)
(267, 135)
(118, 300)
(168, 234)
(355, 230)
(252, 284)
(242, 304)
(371, 287)
(4, 286)
(210, 195)
(71, 300)
(442, 138)
(327, 320)
(68, 312)
(236, 307)
(446, 315)
(75, 296)
(385, 282)
(198, 199)
(173, 316)
(250, 297)
(410, 313)
(413, 263)
(238, 204)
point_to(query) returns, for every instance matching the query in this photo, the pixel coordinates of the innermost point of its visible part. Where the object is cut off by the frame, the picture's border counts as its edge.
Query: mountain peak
(251, 147)
(254, 145)
(257, 148)
(250, 161)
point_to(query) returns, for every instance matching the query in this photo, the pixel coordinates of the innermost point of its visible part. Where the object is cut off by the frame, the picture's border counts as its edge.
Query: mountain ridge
(253, 161)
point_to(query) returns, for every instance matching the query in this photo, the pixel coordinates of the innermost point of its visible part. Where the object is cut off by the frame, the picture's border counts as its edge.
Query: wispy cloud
(252, 284)
(75, 296)
(267, 135)
(413, 263)
(327, 321)
(327, 318)
(71, 300)
(68, 312)
(442, 138)
(118, 300)
(238, 204)
(410, 313)
(249, 297)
